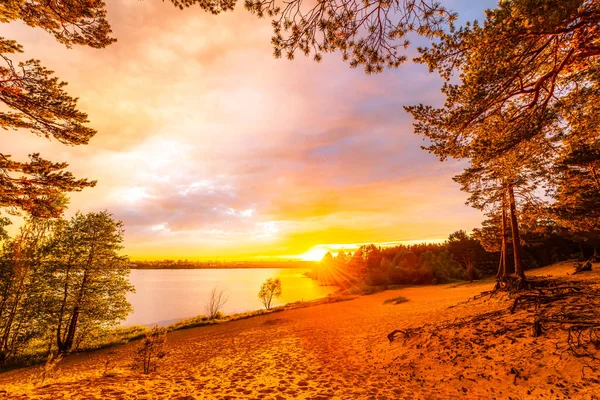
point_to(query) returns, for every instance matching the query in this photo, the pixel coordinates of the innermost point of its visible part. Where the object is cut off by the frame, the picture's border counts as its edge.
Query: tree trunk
(70, 338)
(470, 270)
(504, 258)
(516, 238)
(500, 272)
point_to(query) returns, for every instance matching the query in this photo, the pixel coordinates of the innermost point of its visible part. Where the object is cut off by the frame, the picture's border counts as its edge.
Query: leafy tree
(23, 288)
(270, 289)
(372, 257)
(90, 277)
(4, 222)
(357, 265)
(575, 178)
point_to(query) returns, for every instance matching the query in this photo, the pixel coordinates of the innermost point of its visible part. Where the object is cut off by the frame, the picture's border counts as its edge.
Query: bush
(151, 350)
(216, 301)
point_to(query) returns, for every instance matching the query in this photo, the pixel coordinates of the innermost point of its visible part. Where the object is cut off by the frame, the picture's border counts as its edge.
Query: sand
(337, 350)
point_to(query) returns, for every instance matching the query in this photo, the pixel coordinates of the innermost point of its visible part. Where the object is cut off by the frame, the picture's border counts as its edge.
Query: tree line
(462, 256)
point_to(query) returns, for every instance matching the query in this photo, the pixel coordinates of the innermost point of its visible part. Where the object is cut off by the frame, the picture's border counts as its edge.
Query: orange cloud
(209, 147)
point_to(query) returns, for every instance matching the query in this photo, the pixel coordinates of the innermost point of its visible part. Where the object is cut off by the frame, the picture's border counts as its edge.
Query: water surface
(166, 295)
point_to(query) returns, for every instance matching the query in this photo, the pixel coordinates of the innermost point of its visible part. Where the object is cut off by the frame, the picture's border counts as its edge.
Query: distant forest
(463, 256)
(185, 264)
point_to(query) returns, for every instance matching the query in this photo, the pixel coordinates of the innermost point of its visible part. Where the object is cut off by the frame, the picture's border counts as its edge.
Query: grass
(396, 300)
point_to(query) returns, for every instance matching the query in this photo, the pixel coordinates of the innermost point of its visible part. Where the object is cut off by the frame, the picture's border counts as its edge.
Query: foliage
(466, 250)
(92, 276)
(462, 256)
(35, 100)
(520, 95)
(270, 289)
(215, 303)
(370, 33)
(61, 284)
(24, 289)
(151, 350)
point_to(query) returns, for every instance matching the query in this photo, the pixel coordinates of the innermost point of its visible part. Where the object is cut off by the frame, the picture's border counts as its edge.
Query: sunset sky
(208, 147)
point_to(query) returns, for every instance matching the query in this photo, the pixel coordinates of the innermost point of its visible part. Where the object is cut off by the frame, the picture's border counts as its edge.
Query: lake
(166, 295)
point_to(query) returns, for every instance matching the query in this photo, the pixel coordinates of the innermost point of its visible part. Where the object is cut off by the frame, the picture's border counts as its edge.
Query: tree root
(406, 333)
(556, 304)
(583, 267)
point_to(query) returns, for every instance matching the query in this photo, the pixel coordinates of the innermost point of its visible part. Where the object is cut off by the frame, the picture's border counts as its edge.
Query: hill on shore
(447, 345)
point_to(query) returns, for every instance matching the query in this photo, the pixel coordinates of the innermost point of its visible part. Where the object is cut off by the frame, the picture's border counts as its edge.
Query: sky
(209, 148)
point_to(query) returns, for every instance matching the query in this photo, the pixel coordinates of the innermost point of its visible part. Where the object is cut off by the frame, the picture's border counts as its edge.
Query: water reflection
(164, 296)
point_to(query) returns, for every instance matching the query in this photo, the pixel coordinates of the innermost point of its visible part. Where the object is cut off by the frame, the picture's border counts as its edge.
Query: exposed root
(568, 306)
(583, 267)
(406, 333)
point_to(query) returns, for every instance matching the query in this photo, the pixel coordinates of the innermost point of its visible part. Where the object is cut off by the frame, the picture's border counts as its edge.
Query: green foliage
(79, 22)
(461, 257)
(270, 289)
(62, 285)
(24, 289)
(521, 98)
(92, 276)
(4, 222)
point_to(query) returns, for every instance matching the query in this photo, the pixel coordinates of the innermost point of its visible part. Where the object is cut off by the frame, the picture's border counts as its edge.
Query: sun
(314, 254)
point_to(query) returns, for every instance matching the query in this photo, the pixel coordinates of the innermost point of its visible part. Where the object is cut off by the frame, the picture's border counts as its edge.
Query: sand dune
(337, 350)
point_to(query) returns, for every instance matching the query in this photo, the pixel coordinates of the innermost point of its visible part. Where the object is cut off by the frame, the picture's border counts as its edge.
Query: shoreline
(340, 350)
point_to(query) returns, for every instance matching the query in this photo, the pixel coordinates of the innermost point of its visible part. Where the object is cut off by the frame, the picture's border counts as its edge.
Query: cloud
(207, 146)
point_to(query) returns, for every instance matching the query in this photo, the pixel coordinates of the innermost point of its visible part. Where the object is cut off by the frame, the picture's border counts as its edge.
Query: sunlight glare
(314, 254)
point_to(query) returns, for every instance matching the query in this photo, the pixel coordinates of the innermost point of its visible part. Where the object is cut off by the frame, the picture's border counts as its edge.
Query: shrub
(151, 350)
(215, 303)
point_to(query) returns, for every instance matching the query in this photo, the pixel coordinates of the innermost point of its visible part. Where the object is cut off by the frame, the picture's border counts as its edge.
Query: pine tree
(35, 100)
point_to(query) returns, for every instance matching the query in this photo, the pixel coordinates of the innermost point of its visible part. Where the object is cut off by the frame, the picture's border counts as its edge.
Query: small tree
(151, 350)
(271, 288)
(216, 301)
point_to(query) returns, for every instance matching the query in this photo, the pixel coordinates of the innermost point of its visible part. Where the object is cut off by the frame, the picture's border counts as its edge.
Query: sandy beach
(338, 350)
